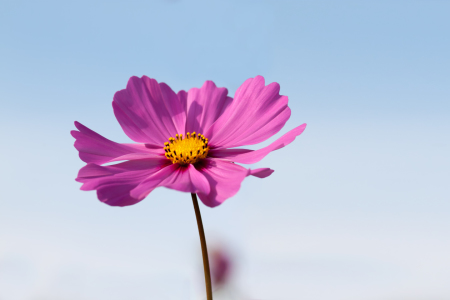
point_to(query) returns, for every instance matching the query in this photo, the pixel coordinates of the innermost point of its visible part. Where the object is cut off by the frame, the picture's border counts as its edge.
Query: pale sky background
(358, 207)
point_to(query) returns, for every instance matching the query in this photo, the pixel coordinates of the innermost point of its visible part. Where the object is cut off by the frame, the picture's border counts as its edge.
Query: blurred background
(358, 206)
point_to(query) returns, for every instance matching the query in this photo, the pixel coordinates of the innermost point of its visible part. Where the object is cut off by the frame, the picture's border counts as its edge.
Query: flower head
(184, 141)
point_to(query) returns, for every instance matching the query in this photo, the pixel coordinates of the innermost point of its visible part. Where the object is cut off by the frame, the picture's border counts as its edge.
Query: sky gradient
(357, 208)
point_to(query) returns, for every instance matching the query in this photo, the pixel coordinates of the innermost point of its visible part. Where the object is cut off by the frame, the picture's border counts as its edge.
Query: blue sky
(358, 204)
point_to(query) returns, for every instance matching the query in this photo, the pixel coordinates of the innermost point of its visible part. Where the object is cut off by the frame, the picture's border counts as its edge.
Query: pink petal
(204, 106)
(256, 113)
(260, 173)
(245, 156)
(187, 179)
(148, 111)
(224, 179)
(137, 156)
(114, 183)
(180, 178)
(153, 181)
(94, 148)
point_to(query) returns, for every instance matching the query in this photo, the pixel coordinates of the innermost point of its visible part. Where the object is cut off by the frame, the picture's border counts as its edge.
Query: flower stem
(204, 250)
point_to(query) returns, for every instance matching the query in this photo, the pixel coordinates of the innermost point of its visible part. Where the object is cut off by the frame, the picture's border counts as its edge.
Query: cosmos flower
(185, 141)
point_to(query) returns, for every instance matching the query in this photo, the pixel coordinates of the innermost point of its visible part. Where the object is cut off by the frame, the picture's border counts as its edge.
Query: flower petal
(180, 178)
(187, 179)
(114, 183)
(153, 181)
(256, 113)
(94, 148)
(260, 173)
(205, 105)
(245, 156)
(224, 179)
(148, 111)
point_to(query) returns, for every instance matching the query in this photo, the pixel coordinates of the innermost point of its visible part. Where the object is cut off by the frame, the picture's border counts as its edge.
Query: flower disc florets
(188, 150)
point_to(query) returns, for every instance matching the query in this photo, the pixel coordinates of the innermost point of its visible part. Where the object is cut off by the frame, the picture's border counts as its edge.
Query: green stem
(201, 232)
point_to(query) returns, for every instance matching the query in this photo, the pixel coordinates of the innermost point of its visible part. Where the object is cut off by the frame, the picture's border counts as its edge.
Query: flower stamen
(188, 150)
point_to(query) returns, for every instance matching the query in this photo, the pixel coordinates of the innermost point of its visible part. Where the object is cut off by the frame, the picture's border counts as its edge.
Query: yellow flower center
(188, 150)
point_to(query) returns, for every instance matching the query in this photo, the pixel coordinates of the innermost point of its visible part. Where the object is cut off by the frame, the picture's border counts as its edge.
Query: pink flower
(185, 140)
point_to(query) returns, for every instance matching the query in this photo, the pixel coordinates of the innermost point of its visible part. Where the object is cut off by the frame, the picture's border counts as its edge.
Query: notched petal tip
(80, 126)
(74, 133)
(135, 78)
